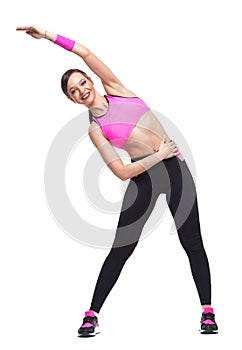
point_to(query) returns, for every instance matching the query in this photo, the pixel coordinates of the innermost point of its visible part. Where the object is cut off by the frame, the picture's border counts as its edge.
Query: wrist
(50, 36)
(159, 155)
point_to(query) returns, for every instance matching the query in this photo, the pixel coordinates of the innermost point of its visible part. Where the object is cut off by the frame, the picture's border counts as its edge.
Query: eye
(83, 83)
(72, 92)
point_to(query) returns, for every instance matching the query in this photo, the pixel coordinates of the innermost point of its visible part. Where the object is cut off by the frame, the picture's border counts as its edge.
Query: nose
(81, 91)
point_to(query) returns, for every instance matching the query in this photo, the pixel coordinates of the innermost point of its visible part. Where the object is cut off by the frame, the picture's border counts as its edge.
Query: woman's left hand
(173, 149)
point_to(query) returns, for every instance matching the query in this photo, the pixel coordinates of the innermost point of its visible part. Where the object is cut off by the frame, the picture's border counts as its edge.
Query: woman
(121, 119)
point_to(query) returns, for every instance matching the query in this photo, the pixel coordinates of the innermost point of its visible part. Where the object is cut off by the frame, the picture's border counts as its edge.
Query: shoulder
(95, 132)
(93, 127)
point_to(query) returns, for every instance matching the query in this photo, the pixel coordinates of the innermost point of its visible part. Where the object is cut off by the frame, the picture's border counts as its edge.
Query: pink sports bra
(122, 116)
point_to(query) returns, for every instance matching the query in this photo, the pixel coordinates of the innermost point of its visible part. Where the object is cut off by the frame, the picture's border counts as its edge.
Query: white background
(184, 59)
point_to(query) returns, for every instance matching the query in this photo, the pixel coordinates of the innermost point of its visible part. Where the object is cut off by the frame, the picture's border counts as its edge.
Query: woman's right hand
(167, 150)
(33, 31)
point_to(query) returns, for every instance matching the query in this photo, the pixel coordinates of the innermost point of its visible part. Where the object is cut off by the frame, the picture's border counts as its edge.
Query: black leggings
(172, 177)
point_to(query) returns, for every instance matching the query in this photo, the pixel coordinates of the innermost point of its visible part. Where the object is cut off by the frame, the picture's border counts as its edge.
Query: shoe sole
(88, 335)
(208, 330)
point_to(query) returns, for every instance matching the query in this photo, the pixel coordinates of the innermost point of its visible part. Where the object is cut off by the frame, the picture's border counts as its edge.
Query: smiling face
(80, 89)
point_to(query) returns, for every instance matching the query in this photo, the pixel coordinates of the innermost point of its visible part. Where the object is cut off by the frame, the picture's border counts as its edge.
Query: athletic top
(122, 116)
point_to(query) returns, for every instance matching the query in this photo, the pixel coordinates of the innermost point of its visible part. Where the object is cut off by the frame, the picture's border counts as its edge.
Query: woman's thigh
(182, 198)
(138, 203)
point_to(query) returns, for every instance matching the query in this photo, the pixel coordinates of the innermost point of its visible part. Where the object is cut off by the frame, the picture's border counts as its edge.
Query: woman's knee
(121, 254)
(192, 245)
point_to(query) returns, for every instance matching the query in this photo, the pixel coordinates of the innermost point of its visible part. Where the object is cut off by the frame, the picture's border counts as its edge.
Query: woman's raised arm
(109, 80)
(97, 66)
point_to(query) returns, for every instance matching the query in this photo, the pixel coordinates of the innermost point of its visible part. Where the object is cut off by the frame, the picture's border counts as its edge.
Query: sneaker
(208, 324)
(90, 323)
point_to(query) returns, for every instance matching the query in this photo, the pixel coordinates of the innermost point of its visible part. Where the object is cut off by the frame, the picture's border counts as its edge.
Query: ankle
(95, 313)
(207, 309)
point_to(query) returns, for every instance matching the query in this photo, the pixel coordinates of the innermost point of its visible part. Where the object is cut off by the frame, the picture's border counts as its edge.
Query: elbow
(123, 175)
(126, 172)
(86, 53)
(81, 50)
(120, 171)
(123, 178)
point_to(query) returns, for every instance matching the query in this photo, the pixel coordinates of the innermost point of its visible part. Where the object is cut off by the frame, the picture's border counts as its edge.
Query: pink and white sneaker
(208, 324)
(89, 326)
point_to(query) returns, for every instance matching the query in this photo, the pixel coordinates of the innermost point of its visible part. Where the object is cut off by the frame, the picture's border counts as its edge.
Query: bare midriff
(146, 136)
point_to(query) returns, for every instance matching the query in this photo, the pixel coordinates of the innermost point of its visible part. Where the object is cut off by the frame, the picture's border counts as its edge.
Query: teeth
(85, 96)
